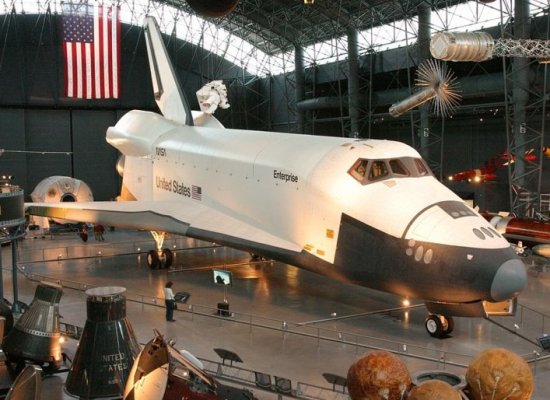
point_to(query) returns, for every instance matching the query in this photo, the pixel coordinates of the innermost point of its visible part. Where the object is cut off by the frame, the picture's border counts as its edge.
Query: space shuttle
(368, 212)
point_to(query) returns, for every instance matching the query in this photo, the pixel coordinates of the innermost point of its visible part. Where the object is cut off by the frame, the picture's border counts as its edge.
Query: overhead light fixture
(309, 1)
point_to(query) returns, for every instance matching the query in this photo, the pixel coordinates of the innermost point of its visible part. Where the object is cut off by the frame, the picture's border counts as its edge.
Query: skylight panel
(200, 32)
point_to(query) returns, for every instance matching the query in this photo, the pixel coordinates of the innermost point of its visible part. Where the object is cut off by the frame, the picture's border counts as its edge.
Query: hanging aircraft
(368, 212)
(525, 233)
(487, 173)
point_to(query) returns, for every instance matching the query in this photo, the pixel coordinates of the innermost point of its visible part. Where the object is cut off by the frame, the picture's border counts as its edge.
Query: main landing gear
(439, 326)
(159, 258)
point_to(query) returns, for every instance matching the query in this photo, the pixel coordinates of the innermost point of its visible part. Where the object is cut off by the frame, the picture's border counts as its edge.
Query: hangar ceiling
(262, 37)
(277, 26)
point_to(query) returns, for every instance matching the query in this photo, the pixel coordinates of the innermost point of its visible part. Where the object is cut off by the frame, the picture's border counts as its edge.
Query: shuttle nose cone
(509, 280)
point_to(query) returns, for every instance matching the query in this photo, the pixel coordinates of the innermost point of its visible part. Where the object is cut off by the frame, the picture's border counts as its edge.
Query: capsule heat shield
(36, 334)
(107, 347)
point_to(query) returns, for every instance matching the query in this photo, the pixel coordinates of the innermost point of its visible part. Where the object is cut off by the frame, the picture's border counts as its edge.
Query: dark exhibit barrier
(283, 385)
(228, 355)
(544, 341)
(223, 309)
(263, 381)
(182, 297)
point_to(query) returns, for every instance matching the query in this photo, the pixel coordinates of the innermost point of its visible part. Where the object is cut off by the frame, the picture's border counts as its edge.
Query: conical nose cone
(106, 349)
(36, 334)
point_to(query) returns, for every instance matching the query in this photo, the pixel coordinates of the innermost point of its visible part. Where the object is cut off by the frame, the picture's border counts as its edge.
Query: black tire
(168, 257)
(153, 260)
(450, 325)
(434, 326)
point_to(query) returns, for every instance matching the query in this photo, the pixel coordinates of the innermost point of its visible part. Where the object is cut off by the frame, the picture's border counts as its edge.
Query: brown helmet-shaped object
(499, 374)
(434, 389)
(379, 375)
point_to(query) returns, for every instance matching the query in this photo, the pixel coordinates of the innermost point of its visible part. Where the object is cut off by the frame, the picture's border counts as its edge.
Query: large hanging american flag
(91, 46)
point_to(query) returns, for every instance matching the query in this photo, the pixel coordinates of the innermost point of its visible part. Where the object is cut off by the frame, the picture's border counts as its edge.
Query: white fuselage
(301, 199)
(296, 187)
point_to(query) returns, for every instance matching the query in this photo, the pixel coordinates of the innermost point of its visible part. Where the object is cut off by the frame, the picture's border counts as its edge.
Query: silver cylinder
(462, 46)
(412, 101)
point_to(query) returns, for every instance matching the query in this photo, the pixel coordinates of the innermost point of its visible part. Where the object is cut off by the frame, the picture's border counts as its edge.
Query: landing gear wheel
(450, 325)
(434, 326)
(153, 260)
(439, 326)
(168, 257)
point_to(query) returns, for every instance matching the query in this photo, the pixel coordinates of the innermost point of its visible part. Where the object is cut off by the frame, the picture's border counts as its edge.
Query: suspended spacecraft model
(480, 46)
(434, 82)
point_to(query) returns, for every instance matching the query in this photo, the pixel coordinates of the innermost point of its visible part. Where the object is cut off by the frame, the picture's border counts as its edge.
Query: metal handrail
(285, 327)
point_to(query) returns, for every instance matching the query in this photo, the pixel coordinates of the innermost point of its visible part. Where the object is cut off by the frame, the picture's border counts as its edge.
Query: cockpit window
(378, 170)
(398, 168)
(422, 169)
(366, 171)
(359, 169)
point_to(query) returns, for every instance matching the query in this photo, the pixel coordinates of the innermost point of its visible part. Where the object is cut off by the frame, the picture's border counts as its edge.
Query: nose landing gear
(159, 258)
(439, 326)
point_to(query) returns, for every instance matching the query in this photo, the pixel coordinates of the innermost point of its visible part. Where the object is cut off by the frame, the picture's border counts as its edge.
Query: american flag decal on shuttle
(196, 192)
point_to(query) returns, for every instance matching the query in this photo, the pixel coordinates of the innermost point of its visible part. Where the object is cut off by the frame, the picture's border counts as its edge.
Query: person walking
(98, 232)
(170, 301)
(84, 233)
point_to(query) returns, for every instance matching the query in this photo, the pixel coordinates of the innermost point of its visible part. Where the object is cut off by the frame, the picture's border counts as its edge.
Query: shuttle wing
(169, 217)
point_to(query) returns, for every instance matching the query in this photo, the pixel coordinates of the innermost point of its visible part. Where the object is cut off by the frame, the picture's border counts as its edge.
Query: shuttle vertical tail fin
(168, 93)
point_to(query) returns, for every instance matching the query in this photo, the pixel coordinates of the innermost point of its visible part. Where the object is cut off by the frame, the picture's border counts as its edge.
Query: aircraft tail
(168, 93)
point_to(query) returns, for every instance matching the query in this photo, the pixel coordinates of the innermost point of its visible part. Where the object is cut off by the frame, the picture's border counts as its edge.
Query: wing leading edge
(168, 217)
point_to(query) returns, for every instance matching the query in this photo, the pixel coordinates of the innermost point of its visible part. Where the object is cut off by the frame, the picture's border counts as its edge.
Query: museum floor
(285, 322)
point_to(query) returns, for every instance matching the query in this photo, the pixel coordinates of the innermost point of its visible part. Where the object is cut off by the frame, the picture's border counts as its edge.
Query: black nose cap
(509, 280)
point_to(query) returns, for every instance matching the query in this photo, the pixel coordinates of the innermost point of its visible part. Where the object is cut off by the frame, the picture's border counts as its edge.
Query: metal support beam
(353, 83)
(525, 119)
(429, 142)
(300, 88)
(15, 306)
(1, 276)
